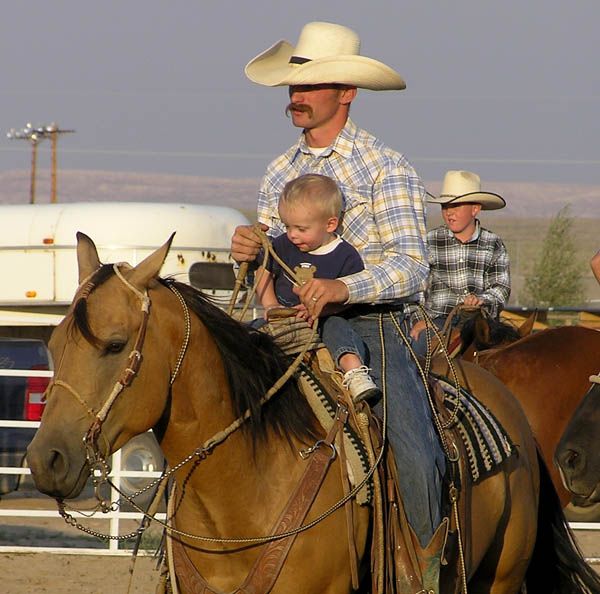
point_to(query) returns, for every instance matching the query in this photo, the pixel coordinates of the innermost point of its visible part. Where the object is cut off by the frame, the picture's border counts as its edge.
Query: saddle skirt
(322, 390)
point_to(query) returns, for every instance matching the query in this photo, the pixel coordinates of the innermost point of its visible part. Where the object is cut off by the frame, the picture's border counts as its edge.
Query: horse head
(97, 351)
(577, 451)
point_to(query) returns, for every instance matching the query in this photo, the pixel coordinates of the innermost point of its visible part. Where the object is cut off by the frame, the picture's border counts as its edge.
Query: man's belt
(365, 309)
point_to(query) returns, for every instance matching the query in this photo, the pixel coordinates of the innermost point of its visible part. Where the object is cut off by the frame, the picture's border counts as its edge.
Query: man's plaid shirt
(384, 214)
(480, 266)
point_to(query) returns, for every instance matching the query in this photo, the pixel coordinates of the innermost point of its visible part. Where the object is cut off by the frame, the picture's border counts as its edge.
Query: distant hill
(523, 199)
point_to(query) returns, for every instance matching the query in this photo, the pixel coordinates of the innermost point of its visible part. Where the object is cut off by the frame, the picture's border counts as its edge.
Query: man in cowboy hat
(383, 218)
(468, 264)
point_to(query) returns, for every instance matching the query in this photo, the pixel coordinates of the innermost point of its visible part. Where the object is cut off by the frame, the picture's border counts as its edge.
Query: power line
(267, 156)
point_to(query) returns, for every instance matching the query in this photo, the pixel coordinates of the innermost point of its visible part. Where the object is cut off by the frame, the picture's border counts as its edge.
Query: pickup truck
(20, 400)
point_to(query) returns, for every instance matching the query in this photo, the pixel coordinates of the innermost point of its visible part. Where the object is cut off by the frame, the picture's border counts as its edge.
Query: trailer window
(218, 276)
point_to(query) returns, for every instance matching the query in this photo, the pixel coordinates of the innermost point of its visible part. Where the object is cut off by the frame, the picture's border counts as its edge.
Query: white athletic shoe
(360, 384)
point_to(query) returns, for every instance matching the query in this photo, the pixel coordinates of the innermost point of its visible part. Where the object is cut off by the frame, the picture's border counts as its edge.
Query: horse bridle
(95, 459)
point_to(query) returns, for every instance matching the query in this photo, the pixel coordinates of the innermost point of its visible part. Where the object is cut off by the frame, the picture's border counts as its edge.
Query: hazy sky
(510, 89)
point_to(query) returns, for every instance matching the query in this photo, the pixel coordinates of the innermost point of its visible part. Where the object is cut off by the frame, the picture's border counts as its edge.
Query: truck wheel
(142, 453)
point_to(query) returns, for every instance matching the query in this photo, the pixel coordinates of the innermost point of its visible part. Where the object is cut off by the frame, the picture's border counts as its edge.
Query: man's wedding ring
(314, 299)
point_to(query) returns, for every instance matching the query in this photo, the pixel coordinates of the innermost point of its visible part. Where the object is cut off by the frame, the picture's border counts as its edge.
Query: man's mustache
(298, 107)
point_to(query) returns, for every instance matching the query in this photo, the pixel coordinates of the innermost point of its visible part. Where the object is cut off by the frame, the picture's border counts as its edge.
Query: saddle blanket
(486, 443)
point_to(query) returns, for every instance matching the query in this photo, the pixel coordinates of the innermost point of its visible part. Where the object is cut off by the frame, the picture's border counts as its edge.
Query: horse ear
(526, 328)
(87, 256)
(149, 268)
(482, 334)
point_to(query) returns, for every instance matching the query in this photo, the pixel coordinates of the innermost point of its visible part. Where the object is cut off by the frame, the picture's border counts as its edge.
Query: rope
(268, 252)
(186, 338)
(424, 372)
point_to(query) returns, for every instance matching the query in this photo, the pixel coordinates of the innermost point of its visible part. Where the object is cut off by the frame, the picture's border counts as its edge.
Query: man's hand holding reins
(245, 243)
(319, 292)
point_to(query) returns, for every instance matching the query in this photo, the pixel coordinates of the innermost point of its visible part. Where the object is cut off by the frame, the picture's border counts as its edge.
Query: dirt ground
(50, 573)
(57, 573)
(53, 573)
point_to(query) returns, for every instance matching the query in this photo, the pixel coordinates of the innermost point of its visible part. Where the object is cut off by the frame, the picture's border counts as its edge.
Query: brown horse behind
(127, 361)
(548, 373)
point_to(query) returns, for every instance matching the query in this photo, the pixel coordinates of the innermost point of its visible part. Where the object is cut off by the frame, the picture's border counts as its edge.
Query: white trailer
(38, 247)
(38, 260)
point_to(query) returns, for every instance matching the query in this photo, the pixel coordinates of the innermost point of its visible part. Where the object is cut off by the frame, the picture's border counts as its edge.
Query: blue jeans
(417, 450)
(339, 337)
(420, 345)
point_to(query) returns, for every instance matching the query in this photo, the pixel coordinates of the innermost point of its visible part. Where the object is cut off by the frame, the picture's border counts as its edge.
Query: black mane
(253, 363)
(500, 332)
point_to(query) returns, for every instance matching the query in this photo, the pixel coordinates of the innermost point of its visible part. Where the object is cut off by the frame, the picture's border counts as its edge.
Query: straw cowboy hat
(325, 53)
(462, 187)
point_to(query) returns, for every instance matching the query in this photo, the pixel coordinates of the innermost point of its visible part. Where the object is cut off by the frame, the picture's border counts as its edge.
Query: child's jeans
(340, 338)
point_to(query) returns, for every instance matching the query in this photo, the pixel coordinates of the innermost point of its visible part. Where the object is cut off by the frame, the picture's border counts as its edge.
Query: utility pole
(53, 131)
(35, 140)
(35, 136)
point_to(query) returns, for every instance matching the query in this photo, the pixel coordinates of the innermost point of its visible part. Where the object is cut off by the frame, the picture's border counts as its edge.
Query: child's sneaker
(360, 385)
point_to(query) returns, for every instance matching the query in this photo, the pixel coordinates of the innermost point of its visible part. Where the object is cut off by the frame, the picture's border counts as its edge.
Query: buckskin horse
(136, 351)
(577, 452)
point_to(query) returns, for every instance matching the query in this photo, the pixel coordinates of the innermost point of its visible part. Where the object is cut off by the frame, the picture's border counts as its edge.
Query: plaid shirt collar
(343, 144)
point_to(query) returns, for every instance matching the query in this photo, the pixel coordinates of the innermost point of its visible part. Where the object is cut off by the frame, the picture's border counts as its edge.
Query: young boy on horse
(310, 208)
(468, 264)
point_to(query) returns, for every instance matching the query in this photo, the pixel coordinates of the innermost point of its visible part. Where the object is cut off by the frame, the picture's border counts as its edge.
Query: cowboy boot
(417, 569)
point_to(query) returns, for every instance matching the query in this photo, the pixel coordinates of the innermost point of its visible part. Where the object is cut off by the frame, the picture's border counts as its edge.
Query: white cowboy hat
(462, 187)
(325, 53)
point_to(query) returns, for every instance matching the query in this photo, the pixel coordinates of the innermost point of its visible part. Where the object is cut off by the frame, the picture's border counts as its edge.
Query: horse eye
(114, 347)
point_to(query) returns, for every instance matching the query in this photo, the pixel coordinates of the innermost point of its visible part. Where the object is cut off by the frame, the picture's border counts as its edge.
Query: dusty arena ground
(24, 573)
(52, 573)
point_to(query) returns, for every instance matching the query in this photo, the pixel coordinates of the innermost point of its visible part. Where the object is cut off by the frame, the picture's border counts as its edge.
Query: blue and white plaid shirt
(479, 266)
(384, 212)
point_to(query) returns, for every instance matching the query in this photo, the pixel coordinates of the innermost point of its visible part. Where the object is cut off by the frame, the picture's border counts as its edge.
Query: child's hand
(301, 312)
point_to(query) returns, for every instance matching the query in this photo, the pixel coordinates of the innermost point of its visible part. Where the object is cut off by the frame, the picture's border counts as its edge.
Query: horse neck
(234, 474)
(235, 485)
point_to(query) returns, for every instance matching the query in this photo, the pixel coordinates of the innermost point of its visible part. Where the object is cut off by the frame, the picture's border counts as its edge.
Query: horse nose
(49, 469)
